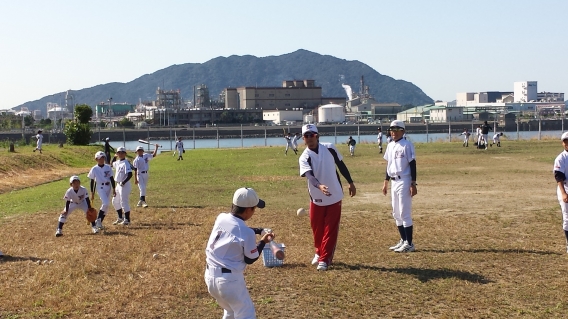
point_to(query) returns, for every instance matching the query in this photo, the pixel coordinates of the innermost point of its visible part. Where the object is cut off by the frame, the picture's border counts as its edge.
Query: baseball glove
(91, 215)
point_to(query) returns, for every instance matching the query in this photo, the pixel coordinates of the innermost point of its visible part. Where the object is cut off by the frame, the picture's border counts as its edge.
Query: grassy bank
(488, 237)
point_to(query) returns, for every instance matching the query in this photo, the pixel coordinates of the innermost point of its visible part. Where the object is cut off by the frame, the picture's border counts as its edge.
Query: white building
(525, 91)
(445, 114)
(281, 117)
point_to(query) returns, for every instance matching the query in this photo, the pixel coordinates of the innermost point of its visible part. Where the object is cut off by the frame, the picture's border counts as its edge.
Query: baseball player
(380, 140)
(295, 139)
(351, 142)
(317, 163)
(485, 128)
(478, 136)
(102, 179)
(560, 173)
(39, 138)
(389, 137)
(122, 176)
(497, 139)
(466, 135)
(401, 169)
(231, 246)
(141, 166)
(180, 149)
(108, 149)
(288, 139)
(76, 197)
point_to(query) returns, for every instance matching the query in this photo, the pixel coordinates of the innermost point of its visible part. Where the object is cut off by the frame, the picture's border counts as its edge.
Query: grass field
(488, 236)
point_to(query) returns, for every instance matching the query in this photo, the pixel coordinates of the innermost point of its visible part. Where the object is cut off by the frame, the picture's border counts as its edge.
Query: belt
(223, 270)
(107, 183)
(143, 172)
(395, 177)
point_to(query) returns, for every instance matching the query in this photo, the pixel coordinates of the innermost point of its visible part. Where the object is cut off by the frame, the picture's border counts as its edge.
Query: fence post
(242, 145)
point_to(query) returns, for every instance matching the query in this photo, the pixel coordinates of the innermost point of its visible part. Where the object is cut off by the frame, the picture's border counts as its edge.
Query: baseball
(301, 212)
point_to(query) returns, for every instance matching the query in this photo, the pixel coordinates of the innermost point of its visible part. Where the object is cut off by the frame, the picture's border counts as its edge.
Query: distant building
(525, 91)
(168, 99)
(471, 98)
(293, 94)
(282, 116)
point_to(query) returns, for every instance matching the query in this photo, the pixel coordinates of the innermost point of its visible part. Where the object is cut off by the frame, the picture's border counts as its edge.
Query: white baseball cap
(121, 149)
(564, 136)
(107, 139)
(74, 178)
(138, 148)
(247, 197)
(309, 128)
(99, 154)
(397, 123)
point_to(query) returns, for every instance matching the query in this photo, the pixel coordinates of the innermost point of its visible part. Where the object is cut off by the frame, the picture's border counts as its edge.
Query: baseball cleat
(95, 230)
(405, 248)
(139, 204)
(144, 204)
(58, 232)
(398, 245)
(316, 259)
(99, 224)
(118, 221)
(125, 222)
(322, 266)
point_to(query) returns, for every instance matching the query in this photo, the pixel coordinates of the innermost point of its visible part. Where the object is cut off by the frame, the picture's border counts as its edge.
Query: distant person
(180, 149)
(485, 128)
(318, 164)
(497, 139)
(295, 139)
(380, 140)
(466, 135)
(288, 139)
(39, 138)
(351, 142)
(108, 149)
(560, 172)
(141, 172)
(478, 136)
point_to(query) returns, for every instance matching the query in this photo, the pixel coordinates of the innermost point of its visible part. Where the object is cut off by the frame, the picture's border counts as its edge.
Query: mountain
(329, 72)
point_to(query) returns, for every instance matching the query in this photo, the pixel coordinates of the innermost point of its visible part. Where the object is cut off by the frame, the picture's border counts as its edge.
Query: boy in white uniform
(141, 168)
(39, 138)
(179, 148)
(497, 139)
(122, 176)
(380, 140)
(401, 169)
(560, 173)
(76, 197)
(231, 246)
(102, 179)
(295, 139)
(466, 135)
(288, 139)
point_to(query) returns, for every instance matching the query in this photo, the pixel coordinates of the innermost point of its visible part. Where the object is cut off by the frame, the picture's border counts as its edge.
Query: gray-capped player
(141, 168)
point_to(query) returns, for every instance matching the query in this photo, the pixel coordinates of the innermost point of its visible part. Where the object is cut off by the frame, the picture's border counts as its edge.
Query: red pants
(325, 228)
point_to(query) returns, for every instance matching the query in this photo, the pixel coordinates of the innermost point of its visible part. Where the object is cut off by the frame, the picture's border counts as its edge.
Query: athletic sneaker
(125, 222)
(322, 266)
(405, 248)
(316, 259)
(397, 246)
(95, 230)
(139, 204)
(58, 232)
(144, 204)
(99, 224)
(118, 221)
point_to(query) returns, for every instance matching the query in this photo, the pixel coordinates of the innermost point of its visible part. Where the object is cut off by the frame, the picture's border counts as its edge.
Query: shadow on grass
(492, 250)
(424, 275)
(174, 207)
(162, 225)
(8, 258)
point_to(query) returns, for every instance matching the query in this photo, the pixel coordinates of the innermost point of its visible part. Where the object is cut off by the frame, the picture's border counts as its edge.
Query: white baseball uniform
(102, 175)
(478, 133)
(77, 199)
(39, 138)
(231, 240)
(380, 141)
(122, 198)
(288, 143)
(295, 141)
(466, 135)
(398, 156)
(561, 166)
(496, 138)
(141, 165)
(179, 147)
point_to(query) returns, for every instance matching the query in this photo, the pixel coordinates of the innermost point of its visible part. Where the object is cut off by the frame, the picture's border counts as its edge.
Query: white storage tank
(331, 113)
(308, 119)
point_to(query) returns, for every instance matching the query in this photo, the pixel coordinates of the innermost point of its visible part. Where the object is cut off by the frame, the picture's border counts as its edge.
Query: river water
(370, 139)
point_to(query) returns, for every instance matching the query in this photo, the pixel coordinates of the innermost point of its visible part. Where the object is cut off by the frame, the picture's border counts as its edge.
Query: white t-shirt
(398, 156)
(230, 241)
(100, 174)
(121, 168)
(77, 197)
(141, 162)
(323, 168)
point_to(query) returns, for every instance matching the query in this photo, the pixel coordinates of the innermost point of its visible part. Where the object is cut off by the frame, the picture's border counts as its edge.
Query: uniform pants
(351, 149)
(122, 198)
(564, 207)
(142, 183)
(104, 195)
(401, 201)
(325, 229)
(230, 291)
(73, 206)
(484, 138)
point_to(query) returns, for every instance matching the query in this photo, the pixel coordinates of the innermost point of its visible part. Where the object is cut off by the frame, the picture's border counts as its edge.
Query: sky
(442, 46)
